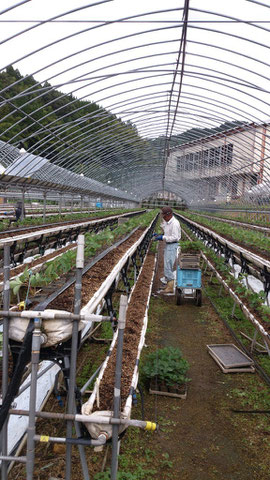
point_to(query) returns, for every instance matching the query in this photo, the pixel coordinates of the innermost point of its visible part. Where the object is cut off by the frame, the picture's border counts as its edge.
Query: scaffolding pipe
(6, 302)
(23, 204)
(98, 418)
(74, 346)
(44, 206)
(117, 385)
(30, 455)
(102, 438)
(52, 315)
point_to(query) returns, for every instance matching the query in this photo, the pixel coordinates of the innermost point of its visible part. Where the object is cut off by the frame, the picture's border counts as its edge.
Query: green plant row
(53, 269)
(254, 301)
(4, 224)
(225, 303)
(245, 217)
(246, 237)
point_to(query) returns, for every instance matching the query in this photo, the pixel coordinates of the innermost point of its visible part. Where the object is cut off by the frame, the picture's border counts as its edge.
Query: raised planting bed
(101, 400)
(105, 272)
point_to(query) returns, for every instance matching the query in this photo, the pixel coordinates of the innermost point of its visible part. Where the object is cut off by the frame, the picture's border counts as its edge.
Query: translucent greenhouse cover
(38, 168)
(138, 99)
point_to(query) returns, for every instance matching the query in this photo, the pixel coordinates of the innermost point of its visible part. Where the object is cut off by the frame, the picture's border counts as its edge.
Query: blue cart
(188, 279)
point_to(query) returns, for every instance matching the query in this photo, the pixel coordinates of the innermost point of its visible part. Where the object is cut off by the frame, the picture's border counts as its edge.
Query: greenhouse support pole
(23, 204)
(60, 204)
(71, 203)
(73, 361)
(81, 203)
(44, 206)
(6, 301)
(117, 384)
(30, 454)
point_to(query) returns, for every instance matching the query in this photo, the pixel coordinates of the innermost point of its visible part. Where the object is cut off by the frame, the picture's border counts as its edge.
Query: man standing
(171, 236)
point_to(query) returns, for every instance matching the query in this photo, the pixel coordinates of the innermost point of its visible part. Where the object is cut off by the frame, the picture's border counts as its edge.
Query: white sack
(57, 331)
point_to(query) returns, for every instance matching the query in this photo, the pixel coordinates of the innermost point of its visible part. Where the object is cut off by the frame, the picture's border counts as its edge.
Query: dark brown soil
(93, 279)
(200, 438)
(134, 322)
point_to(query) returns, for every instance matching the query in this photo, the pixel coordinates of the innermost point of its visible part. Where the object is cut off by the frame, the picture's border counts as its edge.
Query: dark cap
(166, 210)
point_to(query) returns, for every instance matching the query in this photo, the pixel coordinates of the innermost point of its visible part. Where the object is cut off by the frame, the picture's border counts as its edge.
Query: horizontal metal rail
(252, 258)
(243, 307)
(237, 223)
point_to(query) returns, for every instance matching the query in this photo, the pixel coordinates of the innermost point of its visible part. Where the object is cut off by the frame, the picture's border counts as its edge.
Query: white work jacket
(172, 230)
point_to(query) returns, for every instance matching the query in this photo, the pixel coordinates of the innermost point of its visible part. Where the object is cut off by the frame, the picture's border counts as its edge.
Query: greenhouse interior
(135, 240)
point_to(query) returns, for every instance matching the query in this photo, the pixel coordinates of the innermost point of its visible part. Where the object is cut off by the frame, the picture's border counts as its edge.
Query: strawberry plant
(167, 365)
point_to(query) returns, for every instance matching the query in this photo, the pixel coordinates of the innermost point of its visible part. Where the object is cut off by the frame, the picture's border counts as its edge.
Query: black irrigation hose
(41, 306)
(260, 370)
(24, 354)
(14, 385)
(250, 411)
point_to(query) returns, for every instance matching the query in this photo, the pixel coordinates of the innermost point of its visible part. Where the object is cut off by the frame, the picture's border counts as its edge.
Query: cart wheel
(178, 296)
(198, 298)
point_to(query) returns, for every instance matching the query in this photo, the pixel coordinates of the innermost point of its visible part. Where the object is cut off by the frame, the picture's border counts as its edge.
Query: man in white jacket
(171, 237)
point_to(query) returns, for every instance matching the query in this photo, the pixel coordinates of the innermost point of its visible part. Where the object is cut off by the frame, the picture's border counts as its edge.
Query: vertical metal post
(72, 204)
(44, 206)
(60, 204)
(81, 203)
(73, 360)
(6, 304)
(30, 454)
(117, 384)
(23, 204)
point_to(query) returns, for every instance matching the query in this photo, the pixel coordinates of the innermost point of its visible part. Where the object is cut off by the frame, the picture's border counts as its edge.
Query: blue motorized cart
(188, 279)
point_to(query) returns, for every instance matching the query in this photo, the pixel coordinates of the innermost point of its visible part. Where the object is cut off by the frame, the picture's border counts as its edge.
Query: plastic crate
(189, 278)
(189, 261)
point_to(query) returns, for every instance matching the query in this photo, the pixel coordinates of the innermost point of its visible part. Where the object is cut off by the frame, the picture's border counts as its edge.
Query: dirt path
(201, 438)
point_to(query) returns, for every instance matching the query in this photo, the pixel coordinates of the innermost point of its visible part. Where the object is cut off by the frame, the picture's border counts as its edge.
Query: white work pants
(170, 253)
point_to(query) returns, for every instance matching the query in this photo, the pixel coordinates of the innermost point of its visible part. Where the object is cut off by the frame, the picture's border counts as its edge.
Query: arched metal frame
(181, 70)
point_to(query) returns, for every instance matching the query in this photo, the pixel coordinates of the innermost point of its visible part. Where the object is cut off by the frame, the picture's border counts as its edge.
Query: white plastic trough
(88, 407)
(17, 425)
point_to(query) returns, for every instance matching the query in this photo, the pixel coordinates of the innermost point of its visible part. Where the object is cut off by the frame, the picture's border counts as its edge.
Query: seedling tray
(181, 391)
(230, 358)
(189, 261)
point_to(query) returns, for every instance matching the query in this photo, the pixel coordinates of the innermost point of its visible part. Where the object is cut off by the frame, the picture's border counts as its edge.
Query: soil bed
(200, 438)
(94, 278)
(262, 253)
(134, 323)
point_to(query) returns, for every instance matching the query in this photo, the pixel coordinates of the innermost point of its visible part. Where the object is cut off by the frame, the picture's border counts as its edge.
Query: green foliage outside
(51, 123)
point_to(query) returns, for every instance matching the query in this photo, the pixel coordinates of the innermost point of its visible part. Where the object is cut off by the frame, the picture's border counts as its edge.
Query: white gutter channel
(36, 267)
(45, 232)
(243, 307)
(256, 259)
(18, 424)
(87, 409)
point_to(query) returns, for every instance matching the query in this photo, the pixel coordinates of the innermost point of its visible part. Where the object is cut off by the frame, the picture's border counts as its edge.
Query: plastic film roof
(142, 97)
